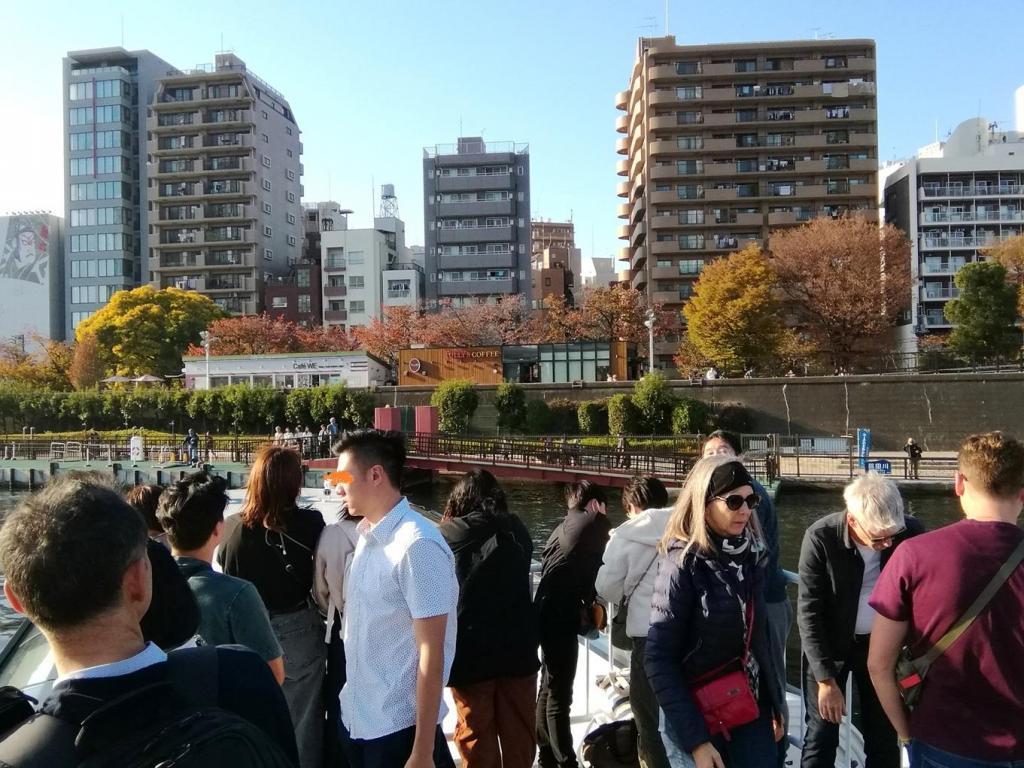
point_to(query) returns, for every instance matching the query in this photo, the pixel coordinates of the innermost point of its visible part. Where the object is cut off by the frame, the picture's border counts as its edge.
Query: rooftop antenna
(651, 24)
(666, 18)
(330, 195)
(122, 30)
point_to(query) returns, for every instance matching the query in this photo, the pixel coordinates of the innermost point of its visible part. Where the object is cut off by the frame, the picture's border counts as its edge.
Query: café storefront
(525, 363)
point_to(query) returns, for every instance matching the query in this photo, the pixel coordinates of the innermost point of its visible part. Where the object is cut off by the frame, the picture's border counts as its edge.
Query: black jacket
(831, 572)
(697, 625)
(497, 624)
(569, 566)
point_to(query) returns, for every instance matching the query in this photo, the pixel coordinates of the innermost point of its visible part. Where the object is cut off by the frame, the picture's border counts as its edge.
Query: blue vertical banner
(863, 446)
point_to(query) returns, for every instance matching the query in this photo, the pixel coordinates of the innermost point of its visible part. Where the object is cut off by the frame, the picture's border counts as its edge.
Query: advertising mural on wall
(26, 249)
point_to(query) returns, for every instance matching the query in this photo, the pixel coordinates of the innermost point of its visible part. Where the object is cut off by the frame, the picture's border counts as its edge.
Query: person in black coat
(708, 598)
(841, 558)
(494, 673)
(569, 568)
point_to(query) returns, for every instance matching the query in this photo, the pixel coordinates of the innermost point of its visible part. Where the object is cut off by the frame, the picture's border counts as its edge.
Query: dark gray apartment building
(106, 196)
(476, 201)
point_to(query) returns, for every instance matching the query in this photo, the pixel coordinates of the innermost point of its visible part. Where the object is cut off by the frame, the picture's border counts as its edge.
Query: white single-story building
(287, 371)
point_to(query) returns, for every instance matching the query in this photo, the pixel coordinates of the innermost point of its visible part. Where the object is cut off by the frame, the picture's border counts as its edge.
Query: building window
(267, 231)
(290, 174)
(357, 307)
(289, 152)
(267, 207)
(279, 302)
(266, 161)
(288, 128)
(264, 113)
(291, 218)
(268, 254)
(689, 92)
(304, 304)
(266, 139)
(291, 240)
(291, 197)
(266, 184)
(356, 281)
(302, 278)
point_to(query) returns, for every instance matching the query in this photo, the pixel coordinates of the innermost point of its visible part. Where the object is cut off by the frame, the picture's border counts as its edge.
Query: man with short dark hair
(400, 609)
(971, 706)
(74, 558)
(231, 611)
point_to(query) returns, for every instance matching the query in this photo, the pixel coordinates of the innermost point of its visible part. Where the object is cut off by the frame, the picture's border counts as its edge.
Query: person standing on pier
(841, 560)
(565, 594)
(971, 707)
(913, 451)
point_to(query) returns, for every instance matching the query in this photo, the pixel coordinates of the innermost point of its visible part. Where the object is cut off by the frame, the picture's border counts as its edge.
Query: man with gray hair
(840, 561)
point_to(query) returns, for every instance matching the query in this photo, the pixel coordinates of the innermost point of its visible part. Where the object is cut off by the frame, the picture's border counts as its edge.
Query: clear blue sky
(372, 83)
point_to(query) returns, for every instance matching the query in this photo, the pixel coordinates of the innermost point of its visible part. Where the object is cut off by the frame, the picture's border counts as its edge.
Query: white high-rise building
(954, 199)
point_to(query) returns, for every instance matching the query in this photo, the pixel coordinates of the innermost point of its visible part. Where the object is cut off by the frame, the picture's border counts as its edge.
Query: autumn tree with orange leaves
(844, 281)
(263, 335)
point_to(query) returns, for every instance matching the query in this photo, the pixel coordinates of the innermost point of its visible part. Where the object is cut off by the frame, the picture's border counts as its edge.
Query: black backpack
(612, 745)
(200, 734)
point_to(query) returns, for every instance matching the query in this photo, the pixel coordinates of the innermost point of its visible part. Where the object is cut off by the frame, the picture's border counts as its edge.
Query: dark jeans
(925, 756)
(391, 751)
(750, 746)
(334, 756)
(559, 651)
(645, 710)
(881, 748)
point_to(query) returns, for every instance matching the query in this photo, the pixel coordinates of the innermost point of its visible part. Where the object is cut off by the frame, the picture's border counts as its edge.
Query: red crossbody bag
(726, 700)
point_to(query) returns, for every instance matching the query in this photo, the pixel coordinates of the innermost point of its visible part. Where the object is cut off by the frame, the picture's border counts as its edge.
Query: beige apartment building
(225, 185)
(723, 143)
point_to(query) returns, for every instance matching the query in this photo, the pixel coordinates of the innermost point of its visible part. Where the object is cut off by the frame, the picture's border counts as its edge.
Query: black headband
(727, 477)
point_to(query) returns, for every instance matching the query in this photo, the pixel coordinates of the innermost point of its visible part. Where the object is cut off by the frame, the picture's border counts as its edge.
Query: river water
(541, 507)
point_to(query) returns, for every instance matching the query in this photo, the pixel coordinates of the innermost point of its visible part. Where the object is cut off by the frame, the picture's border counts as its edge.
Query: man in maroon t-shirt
(971, 710)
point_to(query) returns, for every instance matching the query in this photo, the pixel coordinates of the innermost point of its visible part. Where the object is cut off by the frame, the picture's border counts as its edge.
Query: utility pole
(208, 338)
(649, 322)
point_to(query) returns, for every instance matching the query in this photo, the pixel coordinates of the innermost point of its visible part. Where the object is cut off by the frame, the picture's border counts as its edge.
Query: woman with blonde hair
(272, 544)
(707, 634)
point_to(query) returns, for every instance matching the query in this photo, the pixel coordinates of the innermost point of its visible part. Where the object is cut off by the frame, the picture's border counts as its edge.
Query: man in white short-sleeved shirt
(400, 607)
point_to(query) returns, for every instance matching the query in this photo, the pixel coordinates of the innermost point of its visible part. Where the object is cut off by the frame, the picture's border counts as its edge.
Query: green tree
(510, 402)
(146, 330)
(538, 417)
(456, 401)
(653, 398)
(1010, 253)
(985, 313)
(733, 318)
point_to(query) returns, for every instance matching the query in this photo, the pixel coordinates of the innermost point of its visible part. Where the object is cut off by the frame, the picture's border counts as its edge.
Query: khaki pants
(496, 722)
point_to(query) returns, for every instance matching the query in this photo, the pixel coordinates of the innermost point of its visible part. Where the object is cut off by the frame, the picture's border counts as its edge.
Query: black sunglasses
(735, 501)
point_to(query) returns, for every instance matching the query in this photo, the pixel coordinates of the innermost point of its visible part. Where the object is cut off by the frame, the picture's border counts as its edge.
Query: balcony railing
(962, 242)
(968, 190)
(398, 294)
(968, 216)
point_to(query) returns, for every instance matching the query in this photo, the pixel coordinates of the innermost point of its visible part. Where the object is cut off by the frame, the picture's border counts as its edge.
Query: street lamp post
(208, 338)
(649, 322)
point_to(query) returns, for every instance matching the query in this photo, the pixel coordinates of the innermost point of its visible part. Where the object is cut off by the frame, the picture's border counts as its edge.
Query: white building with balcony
(365, 270)
(954, 199)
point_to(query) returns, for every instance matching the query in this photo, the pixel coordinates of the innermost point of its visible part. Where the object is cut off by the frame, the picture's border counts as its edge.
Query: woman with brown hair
(272, 543)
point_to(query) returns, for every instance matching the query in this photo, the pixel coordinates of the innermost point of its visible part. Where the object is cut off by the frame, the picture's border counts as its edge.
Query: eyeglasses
(735, 501)
(879, 539)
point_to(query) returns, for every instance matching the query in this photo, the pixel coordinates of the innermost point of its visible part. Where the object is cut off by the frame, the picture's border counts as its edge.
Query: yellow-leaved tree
(733, 318)
(146, 330)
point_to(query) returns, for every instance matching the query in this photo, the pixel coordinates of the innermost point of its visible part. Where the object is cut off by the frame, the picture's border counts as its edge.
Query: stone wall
(938, 410)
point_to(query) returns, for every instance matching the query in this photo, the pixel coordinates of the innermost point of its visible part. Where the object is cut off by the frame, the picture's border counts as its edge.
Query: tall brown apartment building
(723, 143)
(225, 216)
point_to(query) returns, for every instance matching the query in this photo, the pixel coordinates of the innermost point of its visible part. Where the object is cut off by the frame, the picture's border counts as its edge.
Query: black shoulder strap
(42, 741)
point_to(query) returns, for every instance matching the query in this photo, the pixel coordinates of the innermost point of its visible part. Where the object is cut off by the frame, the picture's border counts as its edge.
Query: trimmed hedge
(538, 417)
(593, 417)
(689, 417)
(563, 417)
(623, 416)
(653, 398)
(456, 402)
(510, 403)
(241, 408)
